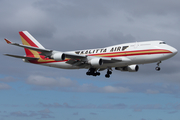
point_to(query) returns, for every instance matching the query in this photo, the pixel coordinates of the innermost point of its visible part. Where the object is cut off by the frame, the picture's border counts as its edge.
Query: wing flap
(111, 60)
(75, 62)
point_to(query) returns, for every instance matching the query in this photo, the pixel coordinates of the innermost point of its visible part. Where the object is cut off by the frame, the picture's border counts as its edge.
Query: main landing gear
(108, 73)
(158, 68)
(93, 72)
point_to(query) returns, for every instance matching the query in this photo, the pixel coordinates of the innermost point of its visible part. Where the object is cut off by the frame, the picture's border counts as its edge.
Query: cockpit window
(162, 43)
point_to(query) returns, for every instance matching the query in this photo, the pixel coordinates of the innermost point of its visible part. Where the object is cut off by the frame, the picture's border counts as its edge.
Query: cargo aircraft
(123, 57)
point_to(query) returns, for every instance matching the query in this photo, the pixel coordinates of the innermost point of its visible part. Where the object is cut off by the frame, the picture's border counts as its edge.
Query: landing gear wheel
(158, 68)
(107, 75)
(93, 72)
(88, 73)
(109, 72)
(98, 73)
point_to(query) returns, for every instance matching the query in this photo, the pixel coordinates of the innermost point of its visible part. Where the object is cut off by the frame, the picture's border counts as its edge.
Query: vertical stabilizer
(29, 40)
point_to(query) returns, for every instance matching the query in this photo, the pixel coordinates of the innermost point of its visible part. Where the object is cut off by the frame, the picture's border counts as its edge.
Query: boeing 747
(123, 57)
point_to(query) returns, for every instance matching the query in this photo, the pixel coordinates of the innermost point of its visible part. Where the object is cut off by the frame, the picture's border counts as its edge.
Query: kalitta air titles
(102, 50)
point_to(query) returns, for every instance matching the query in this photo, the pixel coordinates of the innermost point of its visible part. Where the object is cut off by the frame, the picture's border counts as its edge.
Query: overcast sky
(30, 91)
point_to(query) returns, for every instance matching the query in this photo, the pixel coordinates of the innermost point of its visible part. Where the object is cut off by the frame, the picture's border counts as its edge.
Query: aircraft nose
(174, 51)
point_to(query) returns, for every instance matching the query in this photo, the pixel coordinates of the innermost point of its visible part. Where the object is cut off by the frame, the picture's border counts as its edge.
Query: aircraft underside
(121, 66)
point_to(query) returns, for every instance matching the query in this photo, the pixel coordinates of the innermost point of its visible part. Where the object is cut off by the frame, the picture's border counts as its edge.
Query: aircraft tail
(35, 52)
(29, 40)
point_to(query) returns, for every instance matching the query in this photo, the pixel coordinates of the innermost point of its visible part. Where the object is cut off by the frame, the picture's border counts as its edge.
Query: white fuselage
(130, 53)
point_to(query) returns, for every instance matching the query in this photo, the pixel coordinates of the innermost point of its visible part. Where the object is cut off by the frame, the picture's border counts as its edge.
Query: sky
(29, 91)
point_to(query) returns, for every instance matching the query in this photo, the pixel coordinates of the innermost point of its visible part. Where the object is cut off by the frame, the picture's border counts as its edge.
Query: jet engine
(96, 62)
(130, 68)
(58, 56)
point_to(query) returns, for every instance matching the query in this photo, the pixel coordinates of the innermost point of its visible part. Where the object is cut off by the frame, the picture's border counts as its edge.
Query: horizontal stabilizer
(28, 47)
(8, 42)
(22, 57)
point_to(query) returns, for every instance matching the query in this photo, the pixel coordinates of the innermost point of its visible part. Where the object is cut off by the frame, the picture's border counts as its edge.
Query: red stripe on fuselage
(150, 52)
(124, 53)
(135, 54)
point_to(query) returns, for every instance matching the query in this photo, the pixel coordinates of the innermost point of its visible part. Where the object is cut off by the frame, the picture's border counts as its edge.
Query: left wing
(75, 56)
(83, 60)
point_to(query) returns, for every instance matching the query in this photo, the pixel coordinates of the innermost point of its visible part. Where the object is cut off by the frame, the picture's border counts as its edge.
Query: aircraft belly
(142, 59)
(167, 56)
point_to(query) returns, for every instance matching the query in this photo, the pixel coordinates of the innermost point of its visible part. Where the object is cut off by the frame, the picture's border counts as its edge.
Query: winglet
(8, 42)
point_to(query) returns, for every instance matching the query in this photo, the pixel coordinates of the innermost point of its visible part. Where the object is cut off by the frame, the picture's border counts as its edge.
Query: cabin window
(124, 48)
(162, 43)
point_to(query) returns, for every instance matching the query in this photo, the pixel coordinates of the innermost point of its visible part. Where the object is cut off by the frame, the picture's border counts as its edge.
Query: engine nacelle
(96, 62)
(130, 68)
(58, 56)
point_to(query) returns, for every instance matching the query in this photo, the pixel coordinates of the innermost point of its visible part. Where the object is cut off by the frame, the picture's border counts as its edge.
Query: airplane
(123, 57)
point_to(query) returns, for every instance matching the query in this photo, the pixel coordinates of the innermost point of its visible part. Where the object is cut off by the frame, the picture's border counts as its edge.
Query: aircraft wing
(82, 60)
(86, 57)
(75, 56)
(110, 60)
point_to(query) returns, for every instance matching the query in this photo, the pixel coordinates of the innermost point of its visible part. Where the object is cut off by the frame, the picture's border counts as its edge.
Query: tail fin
(29, 40)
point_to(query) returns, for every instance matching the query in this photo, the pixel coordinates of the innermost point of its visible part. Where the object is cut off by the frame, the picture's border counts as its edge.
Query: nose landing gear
(158, 68)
